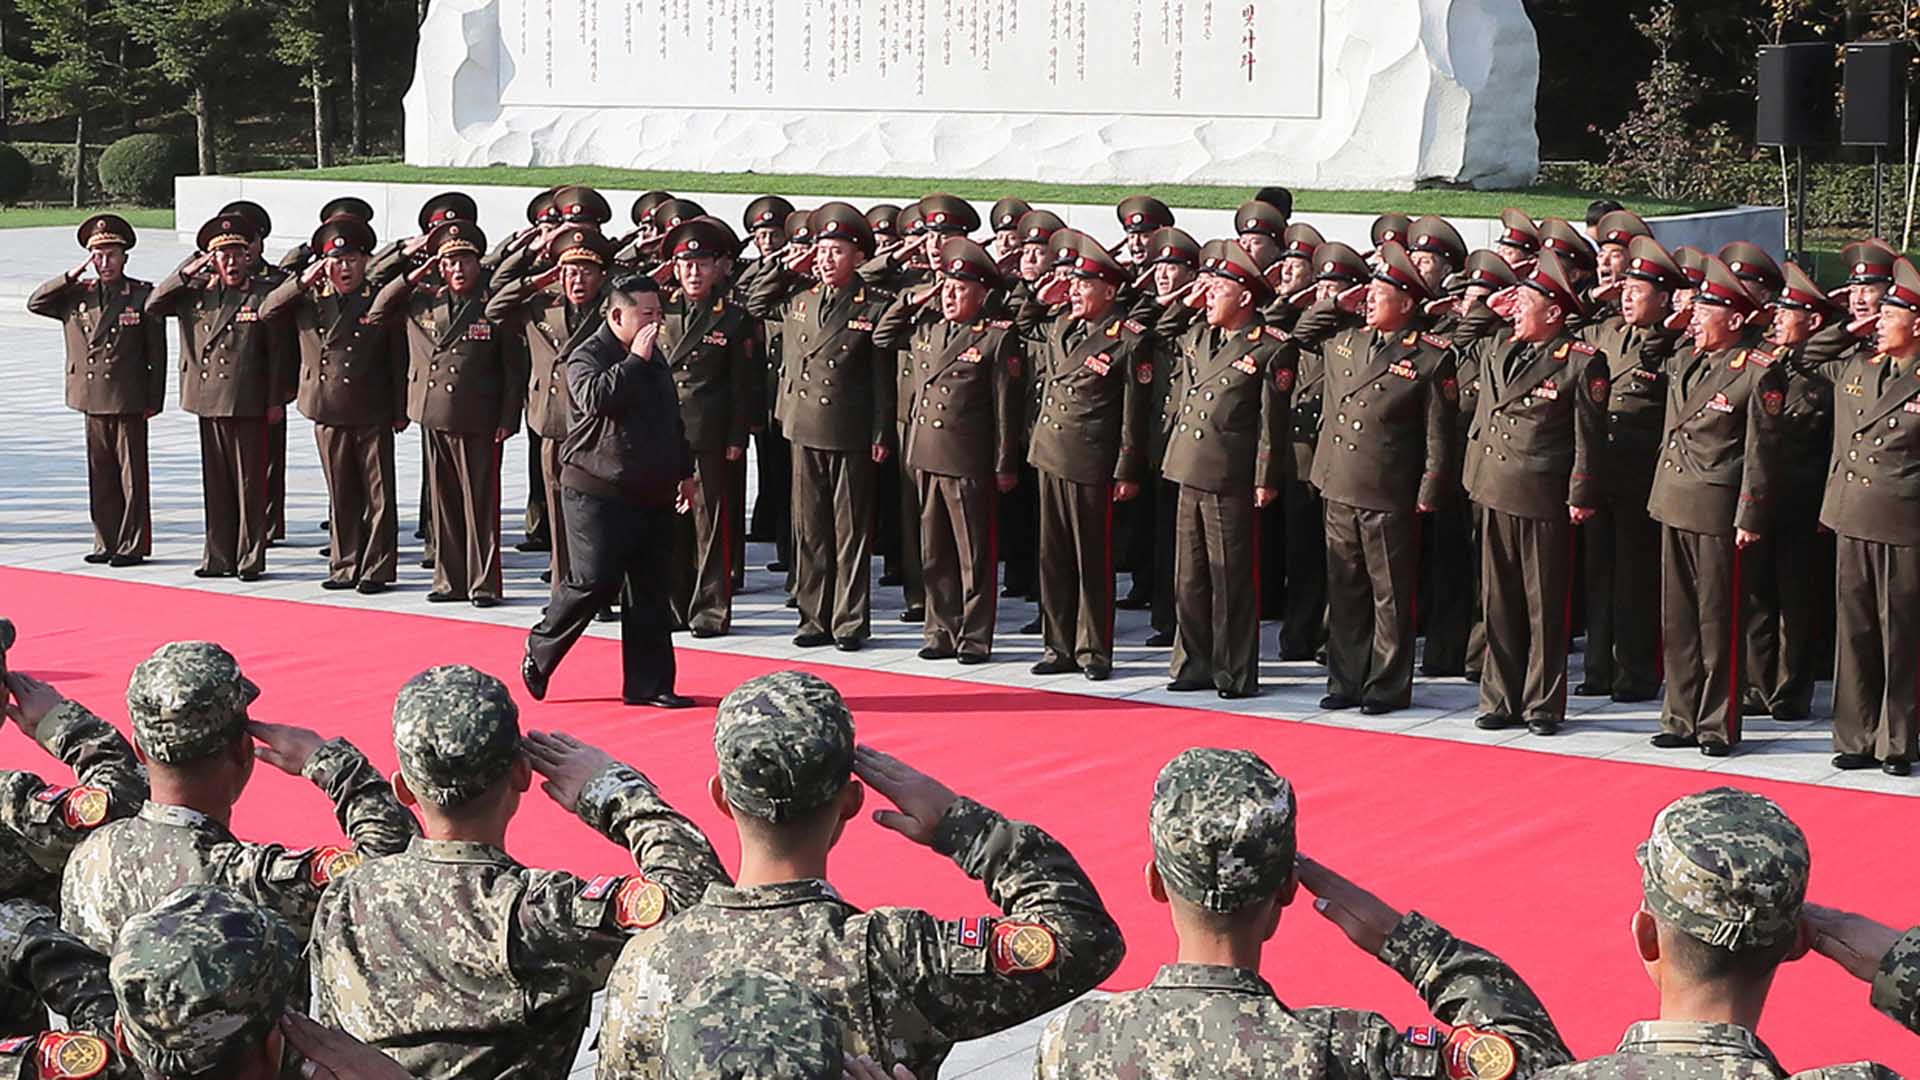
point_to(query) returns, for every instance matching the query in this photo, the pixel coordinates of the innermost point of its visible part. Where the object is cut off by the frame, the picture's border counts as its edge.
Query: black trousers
(613, 546)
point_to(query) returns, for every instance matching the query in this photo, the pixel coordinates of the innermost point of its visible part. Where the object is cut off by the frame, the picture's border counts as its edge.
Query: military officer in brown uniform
(288, 356)
(300, 255)
(836, 405)
(1226, 451)
(1873, 507)
(1535, 448)
(233, 378)
(1020, 509)
(466, 390)
(1094, 374)
(961, 440)
(1173, 263)
(1005, 220)
(1755, 269)
(1382, 457)
(1140, 216)
(1713, 494)
(765, 221)
(353, 386)
(543, 318)
(708, 341)
(117, 376)
(1519, 238)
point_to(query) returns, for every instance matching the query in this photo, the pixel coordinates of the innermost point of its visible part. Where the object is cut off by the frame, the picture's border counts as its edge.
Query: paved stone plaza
(43, 526)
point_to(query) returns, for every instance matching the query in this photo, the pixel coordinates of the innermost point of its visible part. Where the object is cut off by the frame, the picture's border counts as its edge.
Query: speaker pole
(1799, 203)
(1878, 152)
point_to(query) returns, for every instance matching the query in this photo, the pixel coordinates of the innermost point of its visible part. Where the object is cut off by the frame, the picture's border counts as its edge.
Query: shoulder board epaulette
(1135, 325)
(1585, 349)
(1761, 357)
(1436, 341)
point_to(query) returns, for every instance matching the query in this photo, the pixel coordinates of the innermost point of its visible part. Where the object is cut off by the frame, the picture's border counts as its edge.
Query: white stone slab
(1322, 93)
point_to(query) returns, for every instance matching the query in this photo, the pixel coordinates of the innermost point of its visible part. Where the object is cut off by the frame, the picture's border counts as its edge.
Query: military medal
(1720, 404)
(971, 356)
(1101, 363)
(1548, 391)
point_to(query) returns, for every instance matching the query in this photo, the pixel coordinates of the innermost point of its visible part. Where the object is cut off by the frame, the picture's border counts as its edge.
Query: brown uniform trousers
(1872, 504)
(710, 347)
(231, 374)
(835, 406)
(962, 419)
(1303, 627)
(353, 387)
(463, 387)
(1451, 611)
(1535, 446)
(1228, 408)
(900, 509)
(116, 374)
(1622, 542)
(1090, 430)
(1385, 441)
(1718, 472)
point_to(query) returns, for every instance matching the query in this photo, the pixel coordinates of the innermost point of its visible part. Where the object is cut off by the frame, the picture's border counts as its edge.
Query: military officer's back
(1223, 830)
(749, 1025)
(903, 984)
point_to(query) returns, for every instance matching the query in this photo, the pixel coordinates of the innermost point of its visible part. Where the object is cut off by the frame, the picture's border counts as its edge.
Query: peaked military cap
(1750, 262)
(578, 202)
(1802, 293)
(703, 236)
(1390, 228)
(1518, 230)
(1038, 226)
(962, 258)
(839, 221)
(1255, 216)
(1869, 262)
(911, 222)
(201, 974)
(1436, 235)
(1143, 213)
(1093, 263)
(672, 212)
(1227, 259)
(1173, 244)
(1905, 290)
(456, 236)
(884, 219)
(456, 731)
(540, 208)
(227, 230)
(1620, 227)
(343, 234)
(1560, 237)
(188, 701)
(581, 243)
(1649, 262)
(1007, 213)
(784, 743)
(1692, 263)
(253, 211)
(1487, 269)
(1723, 288)
(349, 205)
(766, 212)
(1067, 243)
(447, 206)
(1551, 278)
(106, 230)
(1302, 241)
(750, 1025)
(949, 214)
(641, 212)
(1726, 867)
(1395, 267)
(1335, 261)
(1223, 825)
(799, 226)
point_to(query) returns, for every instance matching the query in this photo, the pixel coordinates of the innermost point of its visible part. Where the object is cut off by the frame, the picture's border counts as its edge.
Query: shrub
(16, 174)
(140, 168)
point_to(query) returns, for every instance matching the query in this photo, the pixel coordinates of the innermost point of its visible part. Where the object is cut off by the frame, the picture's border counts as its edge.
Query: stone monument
(1312, 93)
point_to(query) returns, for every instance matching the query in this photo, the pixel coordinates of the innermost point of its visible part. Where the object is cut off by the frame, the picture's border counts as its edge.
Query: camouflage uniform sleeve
(97, 753)
(1050, 1060)
(62, 973)
(1896, 986)
(363, 800)
(623, 805)
(971, 977)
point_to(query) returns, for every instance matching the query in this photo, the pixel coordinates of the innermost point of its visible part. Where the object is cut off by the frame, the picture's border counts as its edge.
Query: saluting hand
(315, 271)
(921, 800)
(77, 272)
(1855, 942)
(1362, 916)
(566, 763)
(32, 701)
(1053, 289)
(1351, 299)
(284, 746)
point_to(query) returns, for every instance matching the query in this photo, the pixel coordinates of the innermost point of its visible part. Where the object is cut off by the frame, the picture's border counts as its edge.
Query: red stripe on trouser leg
(494, 580)
(1112, 587)
(1256, 564)
(1566, 618)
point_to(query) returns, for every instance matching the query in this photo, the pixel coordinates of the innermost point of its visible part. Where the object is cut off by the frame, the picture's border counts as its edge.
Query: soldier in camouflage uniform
(1724, 878)
(43, 967)
(904, 985)
(503, 960)
(1223, 827)
(188, 703)
(749, 1025)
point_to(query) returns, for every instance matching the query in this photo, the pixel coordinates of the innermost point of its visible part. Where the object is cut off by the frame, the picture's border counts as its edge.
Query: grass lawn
(27, 217)
(1538, 202)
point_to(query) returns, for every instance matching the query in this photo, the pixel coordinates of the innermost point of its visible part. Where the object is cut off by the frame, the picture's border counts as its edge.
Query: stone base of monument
(295, 205)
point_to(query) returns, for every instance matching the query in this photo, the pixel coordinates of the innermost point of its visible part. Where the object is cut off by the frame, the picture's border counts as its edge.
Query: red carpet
(1531, 854)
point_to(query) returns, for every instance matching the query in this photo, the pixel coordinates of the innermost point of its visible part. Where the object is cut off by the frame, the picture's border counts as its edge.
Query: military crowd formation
(171, 950)
(1703, 464)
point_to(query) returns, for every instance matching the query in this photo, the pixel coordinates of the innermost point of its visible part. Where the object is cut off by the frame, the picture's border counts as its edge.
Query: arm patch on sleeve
(640, 904)
(1473, 1054)
(1021, 948)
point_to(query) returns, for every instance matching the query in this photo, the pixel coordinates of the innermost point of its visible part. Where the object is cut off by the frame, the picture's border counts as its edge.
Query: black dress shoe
(668, 700)
(1377, 708)
(1236, 695)
(1494, 722)
(1667, 740)
(1789, 714)
(792, 602)
(439, 597)
(813, 640)
(426, 564)
(707, 631)
(1852, 762)
(1541, 725)
(1755, 708)
(371, 588)
(914, 615)
(1896, 767)
(251, 575)
(1160, 639)
(1296, 656)
(1626, 697)
(934, 652)
(1188, 686)
(334, 585)
(486, 601)
(777, 567)
(327, 552)
(971, 658)
(1472, 676)
(606, 614)
(419, 534)
(97, 558)
(530, 675)
(533, 544)
(1054, 667)
(1592, 689)
(1032, 627)
(849, 644)
(1097, 671)
(1134, 601)
(546, 577)
(123, 561)
(1337, 701)
(203, 572)
(890, 578)
(1715, 748)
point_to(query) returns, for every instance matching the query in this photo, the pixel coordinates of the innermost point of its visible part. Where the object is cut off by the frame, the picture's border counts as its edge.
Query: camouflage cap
(456, 730)
(188, 701)
(205, 972)
(1223, 828)
(785, 744)
(747, 1025)
(1727, 867)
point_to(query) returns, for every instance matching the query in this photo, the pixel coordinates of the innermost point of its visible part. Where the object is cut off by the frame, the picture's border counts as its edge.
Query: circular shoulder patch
(1143, 372)
(1597, 389)
(640, 905)
(328, 863)
(1022, 948)
(1773, 401)
(1472, 1054)
(71, 1055)
(84, 807)
(1283, 379)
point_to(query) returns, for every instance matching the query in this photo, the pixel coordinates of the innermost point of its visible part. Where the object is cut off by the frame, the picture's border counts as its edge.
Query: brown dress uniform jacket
(460, 379)
(1719, 465)
(540, 329)
(960, 390)
(1636, 403)
(1535, 444)
(116, 353)
(1094, 387)
(836, 387)
(1873, 480)
(1227, 411)
(353, 371)
(231, 362)
(710, 347)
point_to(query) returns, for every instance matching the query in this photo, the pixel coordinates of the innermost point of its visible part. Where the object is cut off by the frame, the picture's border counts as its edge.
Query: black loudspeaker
(1876, 89)
(1796, 96)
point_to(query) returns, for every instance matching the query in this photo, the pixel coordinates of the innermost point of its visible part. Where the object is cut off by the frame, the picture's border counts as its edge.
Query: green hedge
(1838, 196)
(53, 169)
(140, 168)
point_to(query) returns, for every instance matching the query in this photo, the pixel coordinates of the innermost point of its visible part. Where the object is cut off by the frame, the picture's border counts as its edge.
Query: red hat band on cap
(1400, 279)
(1714, 292)
(1902, 296)
(1792, 297)
(1519, 239)
(1225, 268)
